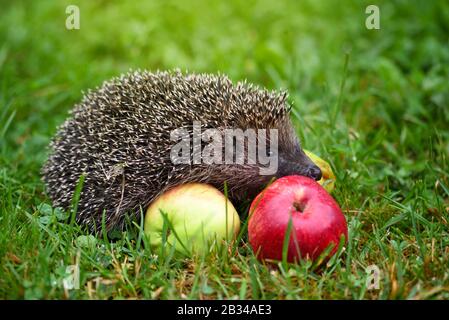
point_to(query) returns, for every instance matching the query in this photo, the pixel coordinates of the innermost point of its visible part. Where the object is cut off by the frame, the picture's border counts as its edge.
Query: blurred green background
(373, 102)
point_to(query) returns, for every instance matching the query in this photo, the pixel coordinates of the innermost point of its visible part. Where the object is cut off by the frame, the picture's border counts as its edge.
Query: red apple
(316, 220)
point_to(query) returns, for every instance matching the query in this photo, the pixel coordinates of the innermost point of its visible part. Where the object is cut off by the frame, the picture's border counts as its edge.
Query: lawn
(372, 102)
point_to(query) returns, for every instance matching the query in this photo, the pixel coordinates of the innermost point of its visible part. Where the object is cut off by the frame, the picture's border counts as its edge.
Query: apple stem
(299, 206)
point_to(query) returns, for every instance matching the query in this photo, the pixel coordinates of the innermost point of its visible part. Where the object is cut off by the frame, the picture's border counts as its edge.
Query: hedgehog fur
(118, 138)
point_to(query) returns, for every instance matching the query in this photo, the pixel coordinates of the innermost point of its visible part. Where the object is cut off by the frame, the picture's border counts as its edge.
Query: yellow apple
(328, 179)
(197, 216)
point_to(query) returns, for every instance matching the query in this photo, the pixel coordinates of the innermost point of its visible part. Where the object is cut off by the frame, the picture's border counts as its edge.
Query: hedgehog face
(291, 158)
(299, 164)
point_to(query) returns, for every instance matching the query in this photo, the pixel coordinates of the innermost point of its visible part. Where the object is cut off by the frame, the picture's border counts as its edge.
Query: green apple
(328, 179)
(192, 217)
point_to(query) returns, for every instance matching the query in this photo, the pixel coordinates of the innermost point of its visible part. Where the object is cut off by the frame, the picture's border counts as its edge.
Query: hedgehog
(118, 139)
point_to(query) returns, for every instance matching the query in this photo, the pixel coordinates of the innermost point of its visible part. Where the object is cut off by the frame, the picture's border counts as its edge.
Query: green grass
(372, 102)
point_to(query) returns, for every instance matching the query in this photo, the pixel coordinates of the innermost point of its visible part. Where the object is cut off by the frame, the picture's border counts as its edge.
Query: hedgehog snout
(303, 167)
(314, 172)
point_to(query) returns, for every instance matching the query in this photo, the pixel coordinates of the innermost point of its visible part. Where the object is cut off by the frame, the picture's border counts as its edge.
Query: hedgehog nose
(314, 172)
